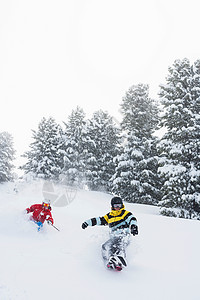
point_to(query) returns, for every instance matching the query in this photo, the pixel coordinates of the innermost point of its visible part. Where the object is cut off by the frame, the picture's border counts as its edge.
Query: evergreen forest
(129, 158)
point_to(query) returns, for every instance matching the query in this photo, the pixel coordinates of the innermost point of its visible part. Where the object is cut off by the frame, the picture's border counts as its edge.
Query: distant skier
(122, 223)
(41, 213)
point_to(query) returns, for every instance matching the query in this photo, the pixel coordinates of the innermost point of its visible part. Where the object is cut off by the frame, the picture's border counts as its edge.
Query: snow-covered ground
(163, 260)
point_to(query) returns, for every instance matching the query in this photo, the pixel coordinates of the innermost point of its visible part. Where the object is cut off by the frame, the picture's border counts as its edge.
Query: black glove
(134, 230)
(84, 225)
(49, 222)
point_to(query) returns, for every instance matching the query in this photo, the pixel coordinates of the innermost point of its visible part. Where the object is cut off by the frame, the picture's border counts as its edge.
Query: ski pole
(55, 227)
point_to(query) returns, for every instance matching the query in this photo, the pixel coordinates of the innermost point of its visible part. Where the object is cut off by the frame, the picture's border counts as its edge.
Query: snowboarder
(122, 223)
(41, 213)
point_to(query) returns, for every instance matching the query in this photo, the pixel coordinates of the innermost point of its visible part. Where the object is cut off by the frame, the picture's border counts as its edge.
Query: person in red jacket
(41, 213)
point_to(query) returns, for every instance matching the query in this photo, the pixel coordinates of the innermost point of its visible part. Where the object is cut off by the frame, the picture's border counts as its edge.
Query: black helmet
(116, 200)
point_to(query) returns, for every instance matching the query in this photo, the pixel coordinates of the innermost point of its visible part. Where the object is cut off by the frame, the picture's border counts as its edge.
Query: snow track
(163, 261)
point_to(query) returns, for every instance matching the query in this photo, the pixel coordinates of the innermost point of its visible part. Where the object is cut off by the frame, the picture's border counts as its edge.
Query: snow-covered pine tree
(136, 177)
(45, 158)
(180, 146)
(103, 146)
(195, 149)
(75, 148)
(7, 153)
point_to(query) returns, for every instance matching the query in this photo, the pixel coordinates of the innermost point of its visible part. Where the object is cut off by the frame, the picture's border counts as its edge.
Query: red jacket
(40, 214)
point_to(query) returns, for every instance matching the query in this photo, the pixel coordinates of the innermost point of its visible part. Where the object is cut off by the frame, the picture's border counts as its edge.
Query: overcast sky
(57, 54)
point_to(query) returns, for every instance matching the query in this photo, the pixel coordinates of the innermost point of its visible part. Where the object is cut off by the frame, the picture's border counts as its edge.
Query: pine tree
(6, 157)
(45, 158)
(103, 146)
(136, 172)
(75, 148)
(195, 86)
(180, 147)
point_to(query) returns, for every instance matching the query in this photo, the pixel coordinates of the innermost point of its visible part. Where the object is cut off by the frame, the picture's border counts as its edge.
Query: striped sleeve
(132, 220)
(97, 221)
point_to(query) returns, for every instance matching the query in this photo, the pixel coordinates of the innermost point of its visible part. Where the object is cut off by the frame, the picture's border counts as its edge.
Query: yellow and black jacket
(120, 221)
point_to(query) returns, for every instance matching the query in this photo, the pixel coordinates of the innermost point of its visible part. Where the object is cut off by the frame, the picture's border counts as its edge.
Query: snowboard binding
(116, 263)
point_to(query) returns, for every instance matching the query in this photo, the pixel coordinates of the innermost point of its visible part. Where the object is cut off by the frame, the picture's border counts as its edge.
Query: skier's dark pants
(115, 246)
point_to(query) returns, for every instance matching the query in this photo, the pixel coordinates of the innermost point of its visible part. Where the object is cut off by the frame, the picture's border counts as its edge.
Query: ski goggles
(45, 204)
(117, 205)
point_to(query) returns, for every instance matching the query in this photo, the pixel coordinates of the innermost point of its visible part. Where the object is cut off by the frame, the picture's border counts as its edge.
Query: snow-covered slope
(163, 261)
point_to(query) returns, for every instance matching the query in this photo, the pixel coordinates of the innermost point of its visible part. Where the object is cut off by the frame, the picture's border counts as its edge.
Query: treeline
(129, 159)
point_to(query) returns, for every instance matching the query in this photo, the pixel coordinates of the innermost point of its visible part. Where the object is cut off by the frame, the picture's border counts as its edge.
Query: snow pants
(39, 224)
(116, 245)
